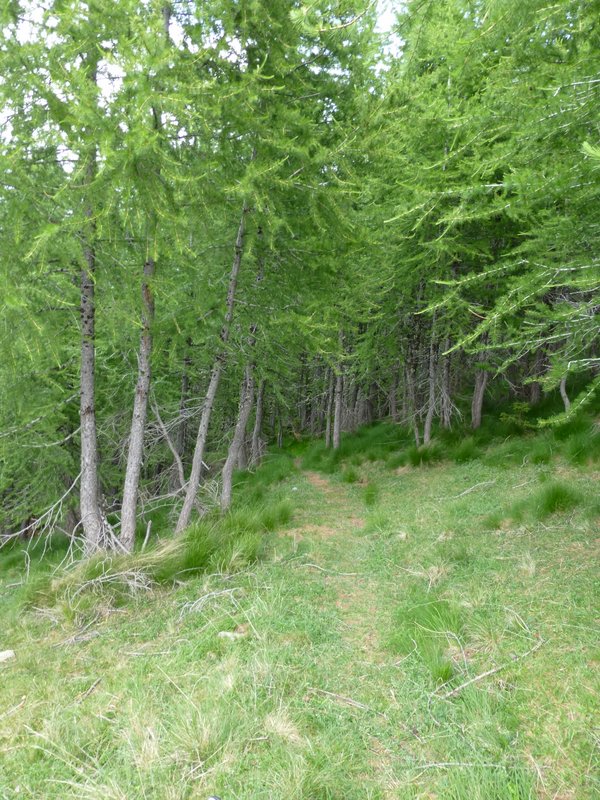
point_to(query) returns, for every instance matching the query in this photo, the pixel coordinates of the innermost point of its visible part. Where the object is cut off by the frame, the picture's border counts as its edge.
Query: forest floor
(393, 644)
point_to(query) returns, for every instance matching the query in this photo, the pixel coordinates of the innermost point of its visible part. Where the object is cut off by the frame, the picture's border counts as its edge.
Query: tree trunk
(446, 394)
(481, 380)
(337, 412)
(257, 444)
(431, 397)
(92, 522)
(535, 391)
(409, 380)
(304, 377)
(563, 393)
(245, 407)
(393, 397)
(329, 409)
(198, 457)
(138, 423)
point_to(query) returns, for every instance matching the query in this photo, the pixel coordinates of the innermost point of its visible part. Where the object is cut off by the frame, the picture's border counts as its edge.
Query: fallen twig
(12, 710)
(347, 700)
(330, 571)
(198, 605)
(89, 690)
(147, 536)
(472, 489)
(477, 678)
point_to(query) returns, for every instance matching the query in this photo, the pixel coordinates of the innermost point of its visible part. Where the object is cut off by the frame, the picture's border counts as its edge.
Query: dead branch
(472, 489)
(477, 678)
(347, 700)
(330, 571)
(198, 605)
(89, 690)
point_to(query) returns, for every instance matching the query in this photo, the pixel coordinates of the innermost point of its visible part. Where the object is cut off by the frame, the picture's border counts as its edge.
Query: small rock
(6, 655)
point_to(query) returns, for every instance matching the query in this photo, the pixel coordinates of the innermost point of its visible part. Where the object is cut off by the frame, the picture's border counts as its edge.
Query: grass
(263, 662)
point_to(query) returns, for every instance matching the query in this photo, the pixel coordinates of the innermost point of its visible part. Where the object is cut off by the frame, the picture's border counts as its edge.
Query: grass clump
(554, 497)
(223, 544)
(426, 454)
(349, 475)
(370, 443)
(485, 783)
(467, 450)
(584, 447)
(371, 494)
(427, 627)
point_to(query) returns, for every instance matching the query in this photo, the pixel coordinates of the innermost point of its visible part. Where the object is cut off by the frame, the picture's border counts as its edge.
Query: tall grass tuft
(426, 627)
(554, 497)
(467, 450)
(426, 454)
(371, 494)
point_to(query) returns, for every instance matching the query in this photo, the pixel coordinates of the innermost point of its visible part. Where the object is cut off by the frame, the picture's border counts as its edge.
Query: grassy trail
(319, 673)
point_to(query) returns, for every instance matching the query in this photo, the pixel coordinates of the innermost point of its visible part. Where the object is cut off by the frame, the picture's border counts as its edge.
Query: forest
(300, 296)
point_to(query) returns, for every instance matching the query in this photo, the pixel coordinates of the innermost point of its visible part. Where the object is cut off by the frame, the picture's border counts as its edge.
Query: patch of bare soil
(319, 482)
(359, 611)
(318, 531)
(356, 522)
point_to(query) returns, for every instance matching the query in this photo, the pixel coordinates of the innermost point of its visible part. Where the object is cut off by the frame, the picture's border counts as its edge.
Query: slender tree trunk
(393, 397)
(563, 393)
(91, 517)
(329, 409)
(409, 379)
(138, 422)
(337, 411)
(353, 409)
(481, 380)
(446, 395)
(257, 445)
(242, 459)
(198, 457)
(303, 393)
(315, 400)
(431, 397)
(135, 452)
(245, 407)
(92, 521)
(535, 391)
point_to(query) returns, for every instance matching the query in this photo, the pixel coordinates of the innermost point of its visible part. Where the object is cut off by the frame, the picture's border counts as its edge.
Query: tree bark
(198, 457)
(337, 412)
(563, 393)
(409, 380)
(245, 407)
(138, 423)
(329, 409)
(535, 391)
(431, 397)
(257, 444)
(393, 396)
(446, 394)
(481, 380)
(92, 521)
